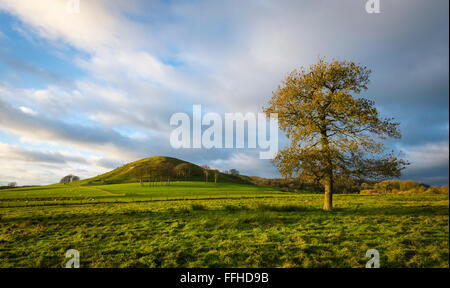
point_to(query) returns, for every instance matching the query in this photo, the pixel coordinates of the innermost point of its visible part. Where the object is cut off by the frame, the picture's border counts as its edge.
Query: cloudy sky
(85, 92)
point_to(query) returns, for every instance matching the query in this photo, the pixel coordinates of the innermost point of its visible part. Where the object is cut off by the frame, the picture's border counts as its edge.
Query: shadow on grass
(280, 208)
(273, 211)
(438, 210)
(347, 211)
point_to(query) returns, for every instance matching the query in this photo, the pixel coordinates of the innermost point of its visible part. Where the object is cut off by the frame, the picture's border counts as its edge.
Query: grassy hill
(158, 166)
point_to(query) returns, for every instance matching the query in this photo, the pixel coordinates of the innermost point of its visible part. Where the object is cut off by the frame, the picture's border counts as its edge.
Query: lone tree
(234, 172)
(331, 132)
(206, 169)
(216, 175)
(69, 178)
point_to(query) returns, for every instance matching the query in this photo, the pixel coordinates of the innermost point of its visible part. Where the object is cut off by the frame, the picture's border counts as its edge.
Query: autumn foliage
(331, 131)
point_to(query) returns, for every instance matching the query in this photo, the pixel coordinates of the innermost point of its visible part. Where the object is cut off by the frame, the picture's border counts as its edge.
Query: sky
(83, 93)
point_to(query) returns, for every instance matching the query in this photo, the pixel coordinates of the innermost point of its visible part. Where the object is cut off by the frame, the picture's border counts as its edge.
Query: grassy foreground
(192, 224)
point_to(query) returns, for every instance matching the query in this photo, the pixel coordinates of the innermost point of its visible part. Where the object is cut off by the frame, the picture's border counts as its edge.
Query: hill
(160, 168)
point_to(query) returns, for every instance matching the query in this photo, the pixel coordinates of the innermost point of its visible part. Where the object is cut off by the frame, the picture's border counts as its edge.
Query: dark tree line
(166, 172)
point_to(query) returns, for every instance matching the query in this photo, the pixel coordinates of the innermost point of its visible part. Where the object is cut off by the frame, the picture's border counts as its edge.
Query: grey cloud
(44, 129)
(21, 154)
(117, 147)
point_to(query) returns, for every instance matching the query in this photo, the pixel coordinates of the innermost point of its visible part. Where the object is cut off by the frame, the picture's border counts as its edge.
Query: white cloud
(428, 156)
(95, 27)
(37, 128)
(245, 163)
(27, 110)
(28, 167)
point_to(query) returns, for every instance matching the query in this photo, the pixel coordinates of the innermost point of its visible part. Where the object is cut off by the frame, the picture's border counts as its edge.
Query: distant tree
(331, 131)
(206, 172)
(66, 179)
(234, 172)
(155, 174)
(151, 173)
(167, 170)
(179, 172)
(183, 170)
(366, 186)
(69, 178)
(206, 169)
(216, 176)
(12, 184)
(139, 173)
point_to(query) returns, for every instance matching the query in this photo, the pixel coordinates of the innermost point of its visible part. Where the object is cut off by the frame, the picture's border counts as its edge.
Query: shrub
(198, 207)
(231, 208)
(368, 192)
(404, 187)
(437, 190)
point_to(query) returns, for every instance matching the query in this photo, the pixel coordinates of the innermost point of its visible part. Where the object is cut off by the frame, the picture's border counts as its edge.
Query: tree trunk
(328, 199)
(328, 177)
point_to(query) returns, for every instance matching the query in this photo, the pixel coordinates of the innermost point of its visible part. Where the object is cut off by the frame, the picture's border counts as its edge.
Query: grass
(226, 225)
(60, 194)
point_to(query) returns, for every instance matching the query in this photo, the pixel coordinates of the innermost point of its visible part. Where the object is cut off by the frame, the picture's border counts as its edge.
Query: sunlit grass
(286, 230)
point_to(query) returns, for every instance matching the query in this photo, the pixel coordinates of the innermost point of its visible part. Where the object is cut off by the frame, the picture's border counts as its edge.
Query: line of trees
(232, 172)
(167, 172)
(207, 171)
(153, 175)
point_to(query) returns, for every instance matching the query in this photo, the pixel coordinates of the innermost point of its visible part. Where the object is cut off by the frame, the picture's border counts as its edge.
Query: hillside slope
(156, 167)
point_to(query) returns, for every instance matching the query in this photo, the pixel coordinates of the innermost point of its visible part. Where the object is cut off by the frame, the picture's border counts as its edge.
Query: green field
(60, 194)
(193, 224)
